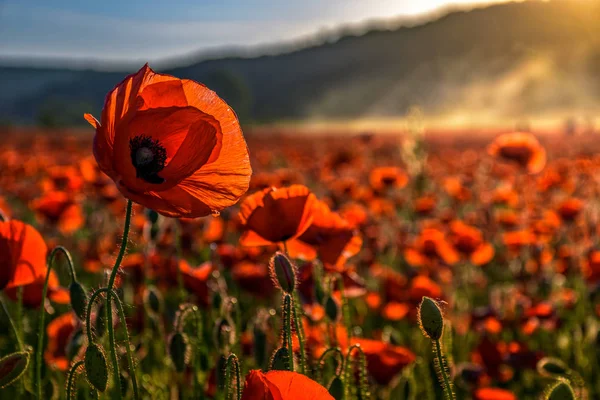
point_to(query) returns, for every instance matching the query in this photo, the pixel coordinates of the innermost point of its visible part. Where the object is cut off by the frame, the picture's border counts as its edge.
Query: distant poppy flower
(570, 209)
(59, 331)
(329, 237)
(282, 385)
(276, 215)
(431, 245)
(253, 277)
(60, 209)
(425, 205)
(22, 254)
(468, 240)
(423, 286)
(521, 148)
(382, 178)
(196, 279)
(32, 292)
(384, 360)
(489, 393)
(171, 145)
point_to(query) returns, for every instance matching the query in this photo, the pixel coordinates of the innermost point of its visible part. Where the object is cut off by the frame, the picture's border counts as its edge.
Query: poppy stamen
(148, 158)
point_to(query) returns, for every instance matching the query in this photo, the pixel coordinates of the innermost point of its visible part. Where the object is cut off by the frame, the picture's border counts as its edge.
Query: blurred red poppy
(59, 331)
(521, 148)
(171, 145)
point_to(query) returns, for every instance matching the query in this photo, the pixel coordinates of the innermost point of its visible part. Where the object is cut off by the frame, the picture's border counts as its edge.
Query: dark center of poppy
(148, 157)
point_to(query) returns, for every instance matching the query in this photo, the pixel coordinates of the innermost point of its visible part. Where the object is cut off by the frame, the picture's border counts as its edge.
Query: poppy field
(163, 254)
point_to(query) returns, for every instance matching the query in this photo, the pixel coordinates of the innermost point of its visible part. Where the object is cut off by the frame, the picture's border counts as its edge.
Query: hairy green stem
(321, 363)
(12, 324)
(111, 283)
(70, 380)
(287, 328)
(299, 332)
(232, 360)
(448, 393)
(40, 344)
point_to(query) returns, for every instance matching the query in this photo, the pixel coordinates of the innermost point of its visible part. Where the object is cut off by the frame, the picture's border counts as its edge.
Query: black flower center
(148, 157)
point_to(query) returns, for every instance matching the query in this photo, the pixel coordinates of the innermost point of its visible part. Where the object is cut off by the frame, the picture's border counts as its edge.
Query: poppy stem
(287, 328)
(109, 288)
(41, 327)
(332, 351)
(12, 324)
(447, 386)
(70, 380)
(299, 331)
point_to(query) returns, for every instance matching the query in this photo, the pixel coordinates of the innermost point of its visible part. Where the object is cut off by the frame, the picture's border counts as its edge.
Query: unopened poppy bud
(332, 309)
(179, 351)
(549, 366)
(79, 299)
(283, 272)
(281, 360)
(153, 300)
(336, 388)
(12, 367)
(561, 391)
(430, 317)
(96, 369)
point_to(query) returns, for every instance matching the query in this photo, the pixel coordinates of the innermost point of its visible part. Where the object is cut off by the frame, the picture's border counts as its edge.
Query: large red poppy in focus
(171, 145)
(282, 385)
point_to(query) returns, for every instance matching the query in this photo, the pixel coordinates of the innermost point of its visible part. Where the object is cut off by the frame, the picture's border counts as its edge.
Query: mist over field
(514, 62)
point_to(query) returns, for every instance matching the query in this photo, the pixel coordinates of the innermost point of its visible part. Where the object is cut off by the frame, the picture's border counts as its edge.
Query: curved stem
(121, 312)
(12, 324)
(111, 283)
(88, 314)
(442, 366)
(340, 362)
(40, 344)
(70, 382)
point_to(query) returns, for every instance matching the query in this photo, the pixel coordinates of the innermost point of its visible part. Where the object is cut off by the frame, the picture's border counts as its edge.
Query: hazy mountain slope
(515, 59)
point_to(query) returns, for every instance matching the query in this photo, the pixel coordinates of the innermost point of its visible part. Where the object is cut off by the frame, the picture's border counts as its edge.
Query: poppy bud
(179, 351)
(430, 318)
(283, 272)
(96, 369)
(561, 391)
(336, 388)
(12, 367)
(79, 299)
(332, 309)
(153, 300)
(549, 366)
(281, 360)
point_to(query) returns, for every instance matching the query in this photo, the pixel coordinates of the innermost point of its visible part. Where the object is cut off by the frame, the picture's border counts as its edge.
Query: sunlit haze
(116, 30)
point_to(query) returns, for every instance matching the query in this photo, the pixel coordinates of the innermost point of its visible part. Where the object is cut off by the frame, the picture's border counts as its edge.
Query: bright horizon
(118, 31)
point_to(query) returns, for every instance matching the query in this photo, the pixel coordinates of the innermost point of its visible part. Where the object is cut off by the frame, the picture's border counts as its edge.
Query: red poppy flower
(196, 279)
(32, 292)
(468, 240)
(382, 178)
(171, 145)
(329, 237)
(22, 254)
(521, 148)
(59, 332)
(60, 209)
(384, 360)
(570, 209)
(282, 385)
(276, 215)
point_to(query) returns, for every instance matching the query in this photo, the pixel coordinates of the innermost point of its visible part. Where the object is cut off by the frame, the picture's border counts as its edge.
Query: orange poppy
(253, 277)
(468, 240)
(282, 385)
(32, 292)
(59, 332)
(171, 145)
(196, 279)
(329, 236)
(570, 209)
(431, 245)
(382, 178)
(521, 148)
(60, 208)
(384, 360)
(489, 393)
(276, 215)
(22, 254)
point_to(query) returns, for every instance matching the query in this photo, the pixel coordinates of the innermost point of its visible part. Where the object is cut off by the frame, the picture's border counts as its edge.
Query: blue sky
(151, 30)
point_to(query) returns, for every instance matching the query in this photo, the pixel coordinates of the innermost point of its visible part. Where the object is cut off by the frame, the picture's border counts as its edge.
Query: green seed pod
(179, 351)
(336, 388)
(561, 391)
(153, 300)
(12, 367)
(430, 318)
(332, 309)
(79, 299)
(552, 367)
(283, 272)
(96, 369)
(281, 360)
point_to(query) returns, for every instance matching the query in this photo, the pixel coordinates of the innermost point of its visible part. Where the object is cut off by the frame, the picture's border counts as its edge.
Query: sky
(155, 30)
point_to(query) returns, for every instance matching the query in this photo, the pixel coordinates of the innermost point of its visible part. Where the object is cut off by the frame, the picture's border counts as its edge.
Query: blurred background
(463, 64)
